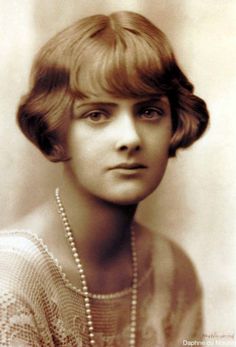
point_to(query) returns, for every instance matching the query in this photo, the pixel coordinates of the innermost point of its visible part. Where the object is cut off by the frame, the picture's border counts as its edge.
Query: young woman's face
(119, 147)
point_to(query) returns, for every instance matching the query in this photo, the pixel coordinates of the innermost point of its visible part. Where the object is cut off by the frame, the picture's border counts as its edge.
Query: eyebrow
(156, 98)
(150, 100)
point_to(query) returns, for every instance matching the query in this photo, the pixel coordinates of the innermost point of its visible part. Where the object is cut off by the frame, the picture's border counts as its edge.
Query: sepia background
(196, 202)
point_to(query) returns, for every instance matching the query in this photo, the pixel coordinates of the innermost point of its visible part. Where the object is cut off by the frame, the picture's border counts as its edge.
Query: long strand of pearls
(134, 293)
(87, 305)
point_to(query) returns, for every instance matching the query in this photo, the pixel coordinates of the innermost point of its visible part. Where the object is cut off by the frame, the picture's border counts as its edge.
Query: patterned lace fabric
(39, 307)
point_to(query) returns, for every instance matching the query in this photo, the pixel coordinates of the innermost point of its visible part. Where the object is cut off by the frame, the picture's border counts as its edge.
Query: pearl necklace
(85, 292)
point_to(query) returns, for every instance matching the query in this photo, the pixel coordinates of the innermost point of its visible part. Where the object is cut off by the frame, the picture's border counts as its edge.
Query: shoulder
(21, 242)
(24, 298)
(24, 260)
(186, 278)
(173, 268)
(175, 307)
(13, 238)
(17, 241)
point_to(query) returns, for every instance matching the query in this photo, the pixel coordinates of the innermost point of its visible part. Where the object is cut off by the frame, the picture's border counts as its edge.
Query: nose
(128, 138)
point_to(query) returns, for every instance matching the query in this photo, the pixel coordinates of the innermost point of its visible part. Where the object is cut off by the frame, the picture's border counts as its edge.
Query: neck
(101, 229)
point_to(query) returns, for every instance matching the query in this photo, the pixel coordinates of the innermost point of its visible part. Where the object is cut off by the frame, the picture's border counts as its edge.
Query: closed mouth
(131, 166)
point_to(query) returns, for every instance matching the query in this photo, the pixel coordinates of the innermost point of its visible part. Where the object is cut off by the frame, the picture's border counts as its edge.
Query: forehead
(106, 99)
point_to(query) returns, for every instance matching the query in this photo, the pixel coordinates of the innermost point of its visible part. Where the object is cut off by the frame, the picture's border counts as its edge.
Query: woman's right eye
(96, 116)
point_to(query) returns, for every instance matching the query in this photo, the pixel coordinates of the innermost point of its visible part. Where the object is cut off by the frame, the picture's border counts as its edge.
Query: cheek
(159, 154)
(81, 153)
(77, 142)
(159, 143)
(84, 150)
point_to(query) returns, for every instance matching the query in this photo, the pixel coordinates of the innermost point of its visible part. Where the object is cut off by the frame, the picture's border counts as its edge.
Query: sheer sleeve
(22, 318)
(176, 310)
(191, 326)
(17, 322)
(187, 302)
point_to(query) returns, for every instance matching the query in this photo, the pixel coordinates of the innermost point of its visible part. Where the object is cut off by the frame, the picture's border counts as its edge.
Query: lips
(130, 166)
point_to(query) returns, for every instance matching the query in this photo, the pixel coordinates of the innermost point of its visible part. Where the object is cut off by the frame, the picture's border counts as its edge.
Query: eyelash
(159, 112)
(143, 113)
(89, 115)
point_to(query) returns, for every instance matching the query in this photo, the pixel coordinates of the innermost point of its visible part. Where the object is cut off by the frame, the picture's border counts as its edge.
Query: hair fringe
(133, 58)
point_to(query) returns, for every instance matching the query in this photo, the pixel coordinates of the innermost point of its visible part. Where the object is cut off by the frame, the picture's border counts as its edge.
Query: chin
(129, 198)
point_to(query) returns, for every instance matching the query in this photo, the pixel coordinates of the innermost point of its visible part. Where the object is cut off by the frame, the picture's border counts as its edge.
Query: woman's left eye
(151, 113)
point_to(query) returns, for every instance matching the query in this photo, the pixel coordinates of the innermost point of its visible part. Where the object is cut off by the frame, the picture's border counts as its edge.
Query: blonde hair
(123, 54)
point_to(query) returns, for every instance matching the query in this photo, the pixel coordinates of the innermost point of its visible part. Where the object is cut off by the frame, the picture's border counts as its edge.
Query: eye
(97, 116)
(152, 113)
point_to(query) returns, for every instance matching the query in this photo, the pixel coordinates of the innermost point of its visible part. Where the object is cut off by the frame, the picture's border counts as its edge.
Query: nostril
(128, 139)
(123, 148)
(137, 148)
(126, 147)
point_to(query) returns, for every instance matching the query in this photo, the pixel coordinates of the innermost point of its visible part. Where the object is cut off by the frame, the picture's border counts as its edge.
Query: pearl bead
(134, 294)
(91, 334)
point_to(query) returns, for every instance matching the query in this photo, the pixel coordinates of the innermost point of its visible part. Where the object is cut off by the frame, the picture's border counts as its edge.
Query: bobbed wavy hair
(123, 54)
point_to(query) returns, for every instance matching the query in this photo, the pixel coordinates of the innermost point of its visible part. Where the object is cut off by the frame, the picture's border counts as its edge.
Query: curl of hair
(43, 112)
(124, 55)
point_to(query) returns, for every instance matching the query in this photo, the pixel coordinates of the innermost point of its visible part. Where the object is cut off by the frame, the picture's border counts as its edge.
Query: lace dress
(40, 307)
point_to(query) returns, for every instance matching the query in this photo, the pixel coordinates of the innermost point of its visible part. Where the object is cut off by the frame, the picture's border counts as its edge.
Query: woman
(108, 100)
